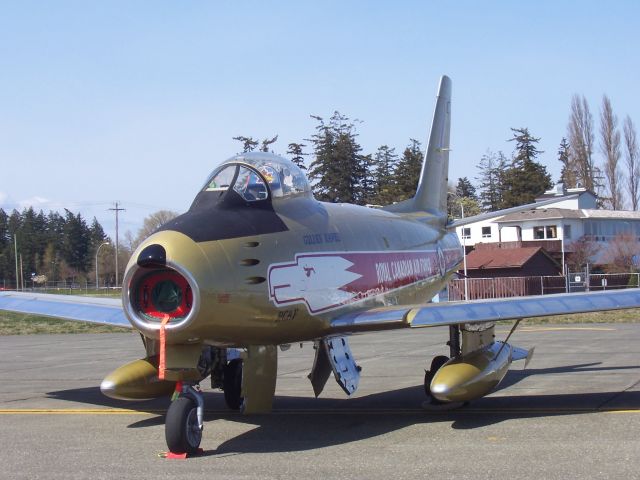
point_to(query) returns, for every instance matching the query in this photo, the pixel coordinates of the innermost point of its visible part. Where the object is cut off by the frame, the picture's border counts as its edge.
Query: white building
(555, 220)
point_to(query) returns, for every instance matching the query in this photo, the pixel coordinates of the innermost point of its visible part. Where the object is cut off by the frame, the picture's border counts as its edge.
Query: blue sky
(137, 102)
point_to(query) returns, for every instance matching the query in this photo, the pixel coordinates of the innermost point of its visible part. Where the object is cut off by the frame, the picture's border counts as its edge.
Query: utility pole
(117, 210)
(15, 250)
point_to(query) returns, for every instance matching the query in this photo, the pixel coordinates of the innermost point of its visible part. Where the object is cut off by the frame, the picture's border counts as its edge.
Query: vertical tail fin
(431, 195)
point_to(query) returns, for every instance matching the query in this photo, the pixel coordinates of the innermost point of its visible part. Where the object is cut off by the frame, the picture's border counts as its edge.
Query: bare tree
(581, 251)
(610, 146)
(633, 162)
(580, 133)
(151, 224)
(620, 253)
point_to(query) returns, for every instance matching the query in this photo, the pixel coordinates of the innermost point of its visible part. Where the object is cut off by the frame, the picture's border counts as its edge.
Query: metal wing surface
(479, 311)
(107, 311)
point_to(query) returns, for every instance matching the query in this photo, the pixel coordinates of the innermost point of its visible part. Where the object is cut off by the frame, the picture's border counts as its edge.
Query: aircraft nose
(163, 279)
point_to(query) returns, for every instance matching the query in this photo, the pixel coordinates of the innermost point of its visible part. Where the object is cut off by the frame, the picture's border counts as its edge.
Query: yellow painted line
(558, 329)
(74, 411)
(341, 412)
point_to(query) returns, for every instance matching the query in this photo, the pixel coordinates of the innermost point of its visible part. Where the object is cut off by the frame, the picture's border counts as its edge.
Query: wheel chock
(179, 456)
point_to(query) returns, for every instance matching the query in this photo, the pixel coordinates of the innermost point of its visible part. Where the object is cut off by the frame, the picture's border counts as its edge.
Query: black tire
(232, 384)
(436, 363)
(181, 428)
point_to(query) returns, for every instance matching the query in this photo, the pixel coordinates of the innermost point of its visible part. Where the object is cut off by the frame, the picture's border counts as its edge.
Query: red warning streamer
(163, 336)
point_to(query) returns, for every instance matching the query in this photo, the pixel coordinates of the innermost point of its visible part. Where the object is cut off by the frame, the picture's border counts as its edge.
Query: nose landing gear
(184, 421)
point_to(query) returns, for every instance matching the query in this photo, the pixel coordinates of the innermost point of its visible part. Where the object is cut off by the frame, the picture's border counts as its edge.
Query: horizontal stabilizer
(518, 353)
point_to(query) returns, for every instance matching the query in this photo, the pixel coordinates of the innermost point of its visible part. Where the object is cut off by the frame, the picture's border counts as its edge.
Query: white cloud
(37, 203)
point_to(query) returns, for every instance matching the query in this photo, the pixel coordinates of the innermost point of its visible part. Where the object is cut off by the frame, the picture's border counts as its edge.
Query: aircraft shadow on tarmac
(514, 376)
(304, 423)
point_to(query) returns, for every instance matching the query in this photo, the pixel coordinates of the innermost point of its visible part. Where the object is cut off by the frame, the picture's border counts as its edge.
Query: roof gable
(492, 258)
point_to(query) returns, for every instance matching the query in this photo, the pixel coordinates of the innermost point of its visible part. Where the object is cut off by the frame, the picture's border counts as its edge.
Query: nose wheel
(184, 422)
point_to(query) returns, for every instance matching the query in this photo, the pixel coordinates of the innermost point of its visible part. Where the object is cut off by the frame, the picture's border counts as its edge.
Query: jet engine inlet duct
(155, 288)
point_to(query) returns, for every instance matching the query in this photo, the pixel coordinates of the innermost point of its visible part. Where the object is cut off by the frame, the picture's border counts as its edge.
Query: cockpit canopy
(257, 175)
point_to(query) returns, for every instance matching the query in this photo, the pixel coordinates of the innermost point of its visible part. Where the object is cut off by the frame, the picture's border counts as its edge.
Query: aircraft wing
(479, 311)
(107, 311)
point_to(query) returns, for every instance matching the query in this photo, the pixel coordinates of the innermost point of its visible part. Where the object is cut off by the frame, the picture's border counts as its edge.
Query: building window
(546, 232)
(466, 232)
(567, 232)
(486, 232)
(552, 231)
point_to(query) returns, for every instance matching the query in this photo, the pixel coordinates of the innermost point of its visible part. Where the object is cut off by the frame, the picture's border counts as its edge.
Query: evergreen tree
(248, 143)
(369, 185)
(465, 188)
(386, 186)
(526, 149)
(96, 233)
(76, 244)
(408, 171)
(567, 174)
(338, 170)
(296, 153)
(5, 244)
(44, 242)
(525, 178)
(267, 142)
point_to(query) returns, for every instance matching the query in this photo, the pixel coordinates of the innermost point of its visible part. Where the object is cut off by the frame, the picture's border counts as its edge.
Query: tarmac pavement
(575, 412)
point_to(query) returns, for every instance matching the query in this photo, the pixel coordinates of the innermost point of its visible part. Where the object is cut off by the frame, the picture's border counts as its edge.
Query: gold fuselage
(236, 306)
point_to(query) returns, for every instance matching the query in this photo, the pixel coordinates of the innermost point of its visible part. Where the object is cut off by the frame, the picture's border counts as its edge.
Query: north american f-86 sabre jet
(258, 263)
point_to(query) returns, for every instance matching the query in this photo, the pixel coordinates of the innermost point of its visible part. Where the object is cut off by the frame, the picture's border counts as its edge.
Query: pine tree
(5, 244)
(408, 171)
(248, 143)
(96, 233)
(76, 245)
(567, 174)
(385, 165)
(525, 178)
(267, 142)
(338, 169)
(295, 151)
(465, 188)
(368, 187)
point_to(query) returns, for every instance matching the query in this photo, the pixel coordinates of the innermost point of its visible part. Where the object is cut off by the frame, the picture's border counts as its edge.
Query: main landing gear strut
(439, 361)
(232, 384)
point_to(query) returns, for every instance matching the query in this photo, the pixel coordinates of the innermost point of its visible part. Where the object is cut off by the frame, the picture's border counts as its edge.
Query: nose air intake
(157, 286)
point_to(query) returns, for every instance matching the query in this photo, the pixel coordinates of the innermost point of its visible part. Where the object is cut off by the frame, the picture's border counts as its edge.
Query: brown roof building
(510, 262)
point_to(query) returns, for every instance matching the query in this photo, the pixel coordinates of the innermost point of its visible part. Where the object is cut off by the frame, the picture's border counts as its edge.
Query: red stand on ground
(180, 456)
